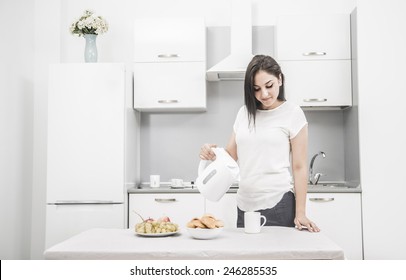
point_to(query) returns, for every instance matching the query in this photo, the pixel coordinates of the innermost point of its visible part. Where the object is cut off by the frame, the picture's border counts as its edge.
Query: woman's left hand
(302, 222)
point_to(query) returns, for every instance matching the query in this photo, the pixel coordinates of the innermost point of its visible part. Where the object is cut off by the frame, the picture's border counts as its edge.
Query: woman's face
(266, 87)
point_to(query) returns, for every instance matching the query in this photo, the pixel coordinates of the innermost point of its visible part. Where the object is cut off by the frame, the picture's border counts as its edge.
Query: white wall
(47, 50)
(16, 126)
(53, 43)
(382, 116)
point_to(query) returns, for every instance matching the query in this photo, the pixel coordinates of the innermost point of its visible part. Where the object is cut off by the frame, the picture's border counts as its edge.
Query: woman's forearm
(300, 185)
(299, 169)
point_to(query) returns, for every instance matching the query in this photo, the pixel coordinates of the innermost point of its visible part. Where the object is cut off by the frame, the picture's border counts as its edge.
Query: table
(279, 243)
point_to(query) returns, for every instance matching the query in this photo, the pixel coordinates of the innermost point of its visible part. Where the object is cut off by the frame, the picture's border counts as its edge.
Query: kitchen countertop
(280, 243)
(322, 187)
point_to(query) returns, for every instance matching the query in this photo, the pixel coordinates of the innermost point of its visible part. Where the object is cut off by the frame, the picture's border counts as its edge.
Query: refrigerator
(85, 149)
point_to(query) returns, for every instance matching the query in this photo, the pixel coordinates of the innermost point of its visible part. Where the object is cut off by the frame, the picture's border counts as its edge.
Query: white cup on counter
(252, 222)
(177, 183)
(155, 181)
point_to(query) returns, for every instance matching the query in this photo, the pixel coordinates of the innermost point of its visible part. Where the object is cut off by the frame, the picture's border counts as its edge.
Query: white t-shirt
(264, 154)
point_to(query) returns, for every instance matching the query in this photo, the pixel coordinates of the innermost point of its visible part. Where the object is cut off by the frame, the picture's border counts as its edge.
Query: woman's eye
(256, 89)
(269, 86)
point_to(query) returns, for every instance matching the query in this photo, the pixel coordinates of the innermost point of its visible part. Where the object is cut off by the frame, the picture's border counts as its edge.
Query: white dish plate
(157, 234)
(202, 233)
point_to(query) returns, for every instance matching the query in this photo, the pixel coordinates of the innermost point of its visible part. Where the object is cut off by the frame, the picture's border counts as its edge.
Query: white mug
(154, 181)
(252, 222)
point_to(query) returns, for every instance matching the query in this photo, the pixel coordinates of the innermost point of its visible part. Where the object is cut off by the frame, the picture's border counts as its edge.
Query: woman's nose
(264, 92)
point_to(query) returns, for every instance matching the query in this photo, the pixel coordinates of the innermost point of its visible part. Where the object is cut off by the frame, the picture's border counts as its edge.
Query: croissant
(207, 221)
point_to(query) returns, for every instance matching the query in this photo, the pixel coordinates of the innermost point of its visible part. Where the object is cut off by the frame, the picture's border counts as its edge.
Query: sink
(330, 185)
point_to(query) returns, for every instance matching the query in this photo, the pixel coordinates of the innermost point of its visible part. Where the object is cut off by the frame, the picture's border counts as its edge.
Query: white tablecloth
(123, 244)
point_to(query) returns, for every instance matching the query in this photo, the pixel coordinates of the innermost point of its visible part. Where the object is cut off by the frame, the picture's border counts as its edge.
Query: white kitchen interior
(360, 134)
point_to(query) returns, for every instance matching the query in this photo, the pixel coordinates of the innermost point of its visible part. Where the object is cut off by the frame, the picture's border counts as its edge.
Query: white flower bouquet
(89, 23)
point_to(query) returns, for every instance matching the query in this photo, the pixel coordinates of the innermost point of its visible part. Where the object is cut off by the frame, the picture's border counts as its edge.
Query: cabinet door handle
(168, 101)
(168, 55)
(83, 202)
(315, 100)
(321, 199)
(314, 53)
(165, 200)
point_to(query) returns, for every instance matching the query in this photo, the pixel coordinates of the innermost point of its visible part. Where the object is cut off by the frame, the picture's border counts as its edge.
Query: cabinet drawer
(180, 208)
(318, 83)
(170, 39)
(170, 86)
(313, 37)
(338, 215)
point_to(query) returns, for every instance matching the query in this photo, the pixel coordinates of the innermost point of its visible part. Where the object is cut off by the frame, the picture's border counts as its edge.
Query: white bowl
(203, 233)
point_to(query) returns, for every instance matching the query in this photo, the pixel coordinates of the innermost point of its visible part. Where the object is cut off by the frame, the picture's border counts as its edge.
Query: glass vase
(90, 48)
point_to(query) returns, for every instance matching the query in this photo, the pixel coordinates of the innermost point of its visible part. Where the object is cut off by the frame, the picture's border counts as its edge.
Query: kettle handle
(203, 163)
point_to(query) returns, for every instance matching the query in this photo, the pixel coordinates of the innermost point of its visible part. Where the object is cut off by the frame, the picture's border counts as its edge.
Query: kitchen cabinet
(170, 64)
(164, 91)
(318, 83)
(225, 209)
(314, 52)
(313, 37)
(169, 39)
(338, 215)
(179, 207)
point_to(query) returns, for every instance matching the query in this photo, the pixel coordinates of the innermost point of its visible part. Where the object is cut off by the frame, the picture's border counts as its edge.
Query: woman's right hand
(206, 153)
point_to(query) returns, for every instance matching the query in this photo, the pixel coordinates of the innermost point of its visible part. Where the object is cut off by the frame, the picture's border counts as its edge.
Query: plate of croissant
(206, 227)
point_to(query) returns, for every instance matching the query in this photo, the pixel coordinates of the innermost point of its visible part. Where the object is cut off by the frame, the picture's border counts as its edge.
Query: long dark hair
(269, 65)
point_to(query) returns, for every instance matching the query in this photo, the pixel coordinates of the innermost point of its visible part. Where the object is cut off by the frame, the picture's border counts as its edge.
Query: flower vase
(90, 48)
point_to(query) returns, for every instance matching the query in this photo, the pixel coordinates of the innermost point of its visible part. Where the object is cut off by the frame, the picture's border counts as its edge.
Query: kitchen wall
(23, 115)
(382, 99)
(171, 141)
(16, 126)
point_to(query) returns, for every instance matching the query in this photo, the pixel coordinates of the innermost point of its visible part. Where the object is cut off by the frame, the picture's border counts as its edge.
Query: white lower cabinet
(225, 209)
(179, 207)
(338, 215)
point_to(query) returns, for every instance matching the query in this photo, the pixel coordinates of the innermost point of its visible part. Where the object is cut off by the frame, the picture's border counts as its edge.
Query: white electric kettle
(215, 177)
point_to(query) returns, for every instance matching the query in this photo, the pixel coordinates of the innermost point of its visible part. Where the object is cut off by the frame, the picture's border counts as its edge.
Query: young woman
(269, 139)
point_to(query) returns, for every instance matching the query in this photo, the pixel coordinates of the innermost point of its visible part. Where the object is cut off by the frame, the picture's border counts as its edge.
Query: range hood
(233, 67)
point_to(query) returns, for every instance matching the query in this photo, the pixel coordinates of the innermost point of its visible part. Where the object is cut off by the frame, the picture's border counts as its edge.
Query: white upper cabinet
(169, 39)
(314, 52)
(313, 37)
(170, 64)
(324, 83)
(163, 91)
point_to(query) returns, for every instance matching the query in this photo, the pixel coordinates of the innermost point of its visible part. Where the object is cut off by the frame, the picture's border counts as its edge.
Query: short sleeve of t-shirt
(241, 113)
(298, 121)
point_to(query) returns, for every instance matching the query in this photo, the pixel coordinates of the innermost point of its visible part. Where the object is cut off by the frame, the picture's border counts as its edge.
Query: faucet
(317, 176)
